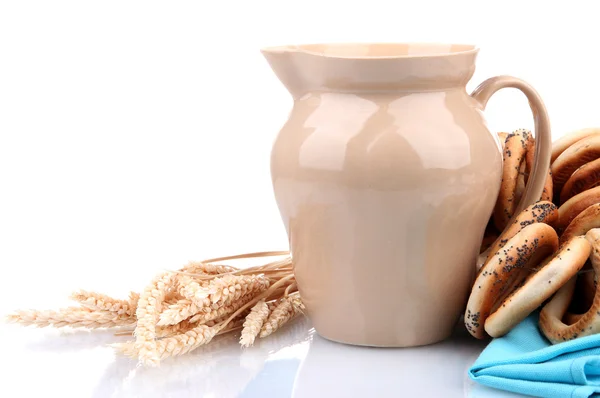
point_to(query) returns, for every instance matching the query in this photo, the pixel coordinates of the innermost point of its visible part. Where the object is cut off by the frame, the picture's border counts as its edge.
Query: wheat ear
(102, 302)
(148, 310)
(75, 317)
(171, 346)
(253, 324)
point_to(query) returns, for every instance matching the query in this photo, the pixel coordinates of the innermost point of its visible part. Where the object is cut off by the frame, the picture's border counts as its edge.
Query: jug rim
(377, 50)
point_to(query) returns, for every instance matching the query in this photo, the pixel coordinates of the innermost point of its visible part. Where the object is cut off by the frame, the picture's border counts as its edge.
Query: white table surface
(294, 362)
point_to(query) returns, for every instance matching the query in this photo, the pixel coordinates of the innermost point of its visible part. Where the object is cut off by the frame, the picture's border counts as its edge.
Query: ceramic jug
(385, 175)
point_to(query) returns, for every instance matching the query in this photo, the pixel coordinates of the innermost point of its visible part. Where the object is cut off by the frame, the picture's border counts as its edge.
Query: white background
(135, 135)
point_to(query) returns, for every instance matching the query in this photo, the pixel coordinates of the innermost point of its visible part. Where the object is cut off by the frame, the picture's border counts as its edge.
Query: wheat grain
(75, 317)
(254, 322)
(287, 309)
(148, 310)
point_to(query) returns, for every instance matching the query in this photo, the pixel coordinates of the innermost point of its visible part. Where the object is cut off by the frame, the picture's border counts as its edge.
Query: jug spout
(372, 67)
(282, 62)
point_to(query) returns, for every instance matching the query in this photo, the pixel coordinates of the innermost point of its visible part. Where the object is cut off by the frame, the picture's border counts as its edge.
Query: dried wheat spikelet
(102, 302)
(73, 316)
(254, 322)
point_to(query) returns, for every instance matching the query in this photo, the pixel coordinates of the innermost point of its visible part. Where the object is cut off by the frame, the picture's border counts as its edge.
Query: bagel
(575, 156)
(583, 222)
(504, 268)
(577, 204)
(515, 150)
(551, 314)
(584, 178)
(560, 145)
(540, 285)
(545, 212)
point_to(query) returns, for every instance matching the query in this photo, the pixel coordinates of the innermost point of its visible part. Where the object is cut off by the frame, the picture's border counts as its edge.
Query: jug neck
(378, 67)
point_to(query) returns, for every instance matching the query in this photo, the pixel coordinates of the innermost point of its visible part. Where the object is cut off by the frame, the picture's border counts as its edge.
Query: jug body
(385, 197)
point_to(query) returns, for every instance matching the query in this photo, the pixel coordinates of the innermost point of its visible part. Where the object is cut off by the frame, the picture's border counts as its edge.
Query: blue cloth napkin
(525, 362)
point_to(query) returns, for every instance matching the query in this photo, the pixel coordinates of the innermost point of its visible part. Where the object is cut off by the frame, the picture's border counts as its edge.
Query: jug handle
(543, 140)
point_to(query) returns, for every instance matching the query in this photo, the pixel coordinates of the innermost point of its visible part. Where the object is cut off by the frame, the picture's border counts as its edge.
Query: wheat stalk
(248, 255)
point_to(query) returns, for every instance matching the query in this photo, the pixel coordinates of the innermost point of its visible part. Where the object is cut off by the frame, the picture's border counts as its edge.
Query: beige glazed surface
(385, 175)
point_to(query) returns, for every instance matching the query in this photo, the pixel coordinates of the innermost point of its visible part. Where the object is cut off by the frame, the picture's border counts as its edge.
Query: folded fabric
(525, 362)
